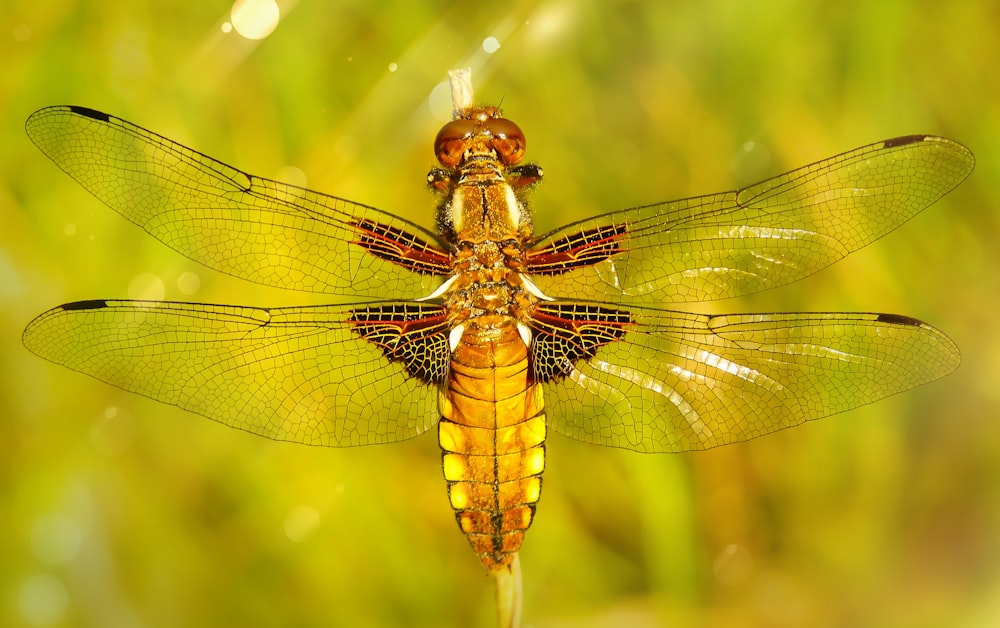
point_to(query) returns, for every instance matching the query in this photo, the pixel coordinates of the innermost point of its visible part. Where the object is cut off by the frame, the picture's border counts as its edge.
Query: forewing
(302, 374)
(760, 237)
(678, 382)
(257, 229)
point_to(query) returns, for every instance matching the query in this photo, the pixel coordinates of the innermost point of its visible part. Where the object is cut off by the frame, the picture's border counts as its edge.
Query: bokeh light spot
(301, 522)
(56, 538)
(42, 600)
(550, 22)
(291, 175)
(10, 282)
(439, 101)
(491, 44)
(393, 67)
(188, 283)
(255, 19)
(22, 33)
(147, 287)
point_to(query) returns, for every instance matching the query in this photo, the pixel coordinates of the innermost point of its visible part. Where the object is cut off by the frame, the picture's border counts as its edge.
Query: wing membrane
(680, 382)
(257, 229)
(759, 237)
(299, 374)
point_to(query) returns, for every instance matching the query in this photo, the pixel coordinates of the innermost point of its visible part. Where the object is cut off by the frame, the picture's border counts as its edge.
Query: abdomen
(492, 431)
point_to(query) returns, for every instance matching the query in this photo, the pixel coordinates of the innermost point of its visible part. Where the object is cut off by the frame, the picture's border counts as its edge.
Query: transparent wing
(680, 382)
(760, 237)
(257, 229)
(298, 374)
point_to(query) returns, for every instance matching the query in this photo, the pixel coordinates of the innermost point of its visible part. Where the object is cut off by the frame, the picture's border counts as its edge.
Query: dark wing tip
(91, 304)
(90, 113)
(899, 319)
(904, 140)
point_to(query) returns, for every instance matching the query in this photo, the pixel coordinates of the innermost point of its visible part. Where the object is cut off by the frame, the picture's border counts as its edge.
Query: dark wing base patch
(576, 250)
(567, 332)
(415, 335)
(400, 247)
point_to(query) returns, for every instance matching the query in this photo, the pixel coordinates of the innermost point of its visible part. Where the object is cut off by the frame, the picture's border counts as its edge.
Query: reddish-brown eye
(452, 140)
(508, 140)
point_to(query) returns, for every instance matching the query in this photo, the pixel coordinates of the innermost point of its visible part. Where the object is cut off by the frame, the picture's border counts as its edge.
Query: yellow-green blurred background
(118, 511)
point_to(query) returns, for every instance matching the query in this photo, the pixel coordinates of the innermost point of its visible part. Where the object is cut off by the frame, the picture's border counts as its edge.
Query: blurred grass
(120, 511)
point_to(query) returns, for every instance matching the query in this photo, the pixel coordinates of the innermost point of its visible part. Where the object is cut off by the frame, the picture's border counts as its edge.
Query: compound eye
(452, 140)
(508, 140)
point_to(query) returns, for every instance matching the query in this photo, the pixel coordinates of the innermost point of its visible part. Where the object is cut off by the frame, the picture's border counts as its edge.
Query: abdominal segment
(492, 431)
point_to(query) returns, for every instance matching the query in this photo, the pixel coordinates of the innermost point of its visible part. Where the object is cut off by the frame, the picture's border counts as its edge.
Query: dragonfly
(485, 330)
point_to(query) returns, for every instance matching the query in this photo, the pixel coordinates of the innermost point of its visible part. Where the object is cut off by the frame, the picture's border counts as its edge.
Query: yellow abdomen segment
(492, 434)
